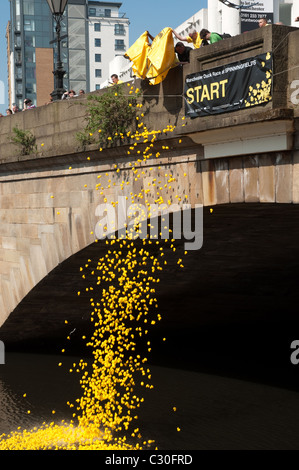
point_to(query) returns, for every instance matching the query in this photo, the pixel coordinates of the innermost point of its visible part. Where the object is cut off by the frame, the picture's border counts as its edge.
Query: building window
(30, 71)
(97, 27)
(19, 73)
(107, 13)
(98, 73)
(98, 57)
(18, 8)
(29, 41)
(98, 87)
(18, 57)
(119, 44)
(18, 42)
(19, 89)
(29, 55)
(97, 42)
(92, 11)
(29, 25)
(28, 7)
(119, 29)
(30, 88)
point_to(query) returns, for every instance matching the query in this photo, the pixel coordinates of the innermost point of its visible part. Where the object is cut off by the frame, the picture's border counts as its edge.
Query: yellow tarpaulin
(161, 56)
(155, 61)
(138, 55)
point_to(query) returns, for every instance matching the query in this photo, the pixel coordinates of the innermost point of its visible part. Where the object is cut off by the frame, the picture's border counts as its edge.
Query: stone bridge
(48, 200)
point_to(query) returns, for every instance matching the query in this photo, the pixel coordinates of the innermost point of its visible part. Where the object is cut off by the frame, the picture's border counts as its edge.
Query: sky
(152, 16)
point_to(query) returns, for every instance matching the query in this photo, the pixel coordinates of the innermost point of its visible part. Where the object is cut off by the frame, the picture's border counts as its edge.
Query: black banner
(250, 20)
(229, 87)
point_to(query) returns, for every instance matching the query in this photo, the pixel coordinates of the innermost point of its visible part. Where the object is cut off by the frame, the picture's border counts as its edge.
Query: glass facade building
(31, 28)
(96, 33)
(32, 58)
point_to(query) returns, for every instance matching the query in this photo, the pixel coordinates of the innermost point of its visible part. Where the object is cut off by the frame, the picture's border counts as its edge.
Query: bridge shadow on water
(231, 312)
(233, 309)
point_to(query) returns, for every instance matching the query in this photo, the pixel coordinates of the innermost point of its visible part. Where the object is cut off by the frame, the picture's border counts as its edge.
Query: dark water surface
(229, 318)
(212, 412)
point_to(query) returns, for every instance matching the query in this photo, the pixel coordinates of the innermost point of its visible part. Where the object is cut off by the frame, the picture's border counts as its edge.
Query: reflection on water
(46, 387)
(10, 408)
(212, 412)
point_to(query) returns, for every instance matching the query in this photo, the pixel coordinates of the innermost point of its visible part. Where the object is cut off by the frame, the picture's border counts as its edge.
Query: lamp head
(57, 7)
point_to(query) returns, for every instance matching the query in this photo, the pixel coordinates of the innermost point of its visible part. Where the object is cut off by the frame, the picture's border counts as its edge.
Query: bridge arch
(232, 309)
(48, 217)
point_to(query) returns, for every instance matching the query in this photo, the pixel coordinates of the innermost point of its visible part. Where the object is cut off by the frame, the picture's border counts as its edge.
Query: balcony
(94, 13)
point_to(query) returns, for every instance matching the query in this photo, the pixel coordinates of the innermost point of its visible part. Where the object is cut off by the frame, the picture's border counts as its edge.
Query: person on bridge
(69, 94)
(15, 108)
(183, 52)
(193, 38)
(115, 80)
(263, 22)
(211, 37)
(28, 104)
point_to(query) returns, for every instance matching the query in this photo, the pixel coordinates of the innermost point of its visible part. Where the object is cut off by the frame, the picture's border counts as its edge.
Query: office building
(96, 33)
(238, 16)
(108, 38)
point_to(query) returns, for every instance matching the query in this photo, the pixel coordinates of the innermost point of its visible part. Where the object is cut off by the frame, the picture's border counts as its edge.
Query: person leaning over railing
(183, 52)
(193, 37)
(205, 35)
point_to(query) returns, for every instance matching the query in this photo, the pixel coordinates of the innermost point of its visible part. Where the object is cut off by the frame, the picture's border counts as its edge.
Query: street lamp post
(57, 8)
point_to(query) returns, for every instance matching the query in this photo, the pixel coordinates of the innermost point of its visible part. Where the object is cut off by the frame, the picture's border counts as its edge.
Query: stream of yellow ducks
(106, 415)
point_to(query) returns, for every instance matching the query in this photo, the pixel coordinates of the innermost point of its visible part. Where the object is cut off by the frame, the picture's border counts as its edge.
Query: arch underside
(232, 309)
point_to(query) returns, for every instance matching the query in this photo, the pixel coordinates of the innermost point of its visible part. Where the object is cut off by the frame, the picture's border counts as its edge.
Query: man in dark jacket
(183, 52)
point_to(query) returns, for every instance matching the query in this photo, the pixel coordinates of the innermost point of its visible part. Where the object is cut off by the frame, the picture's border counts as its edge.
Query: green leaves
(110, 116)
(24, 139)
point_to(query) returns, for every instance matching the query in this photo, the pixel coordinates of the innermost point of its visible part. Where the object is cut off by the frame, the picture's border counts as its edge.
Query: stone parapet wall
(55, 125)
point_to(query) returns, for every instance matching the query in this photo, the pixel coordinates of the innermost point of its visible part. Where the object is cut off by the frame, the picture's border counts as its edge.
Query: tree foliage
(109, 115)
(25, 140)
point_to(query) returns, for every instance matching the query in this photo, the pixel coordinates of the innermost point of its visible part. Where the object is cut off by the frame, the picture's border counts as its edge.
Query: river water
(212, 412)
(229, 319)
